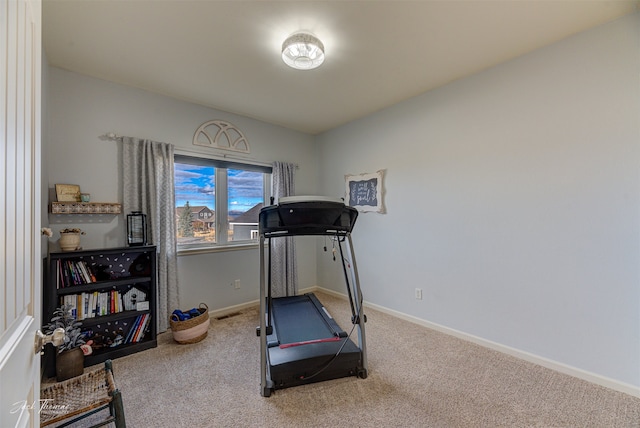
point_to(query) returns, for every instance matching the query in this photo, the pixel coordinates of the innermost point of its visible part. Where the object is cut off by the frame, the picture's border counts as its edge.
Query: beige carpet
(417, 378)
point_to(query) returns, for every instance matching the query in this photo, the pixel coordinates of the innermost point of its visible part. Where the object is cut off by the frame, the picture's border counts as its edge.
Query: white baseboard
(252, 304)
(532, 358)
(232, 309)
(526, 356)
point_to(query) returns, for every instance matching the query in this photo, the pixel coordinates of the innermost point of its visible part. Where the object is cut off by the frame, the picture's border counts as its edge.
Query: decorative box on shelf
(85, 208)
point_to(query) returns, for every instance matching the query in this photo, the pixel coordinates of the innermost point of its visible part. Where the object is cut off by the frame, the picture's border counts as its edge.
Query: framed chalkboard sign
(364, 192)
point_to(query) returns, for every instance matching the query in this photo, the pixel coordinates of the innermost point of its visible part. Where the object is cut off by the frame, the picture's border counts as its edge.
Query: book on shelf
(73, 272)
(132, 330)
(138, 329)
(98, 304)
(141, 328)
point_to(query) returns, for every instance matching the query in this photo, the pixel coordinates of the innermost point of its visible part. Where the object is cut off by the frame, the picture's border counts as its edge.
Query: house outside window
(218, 202)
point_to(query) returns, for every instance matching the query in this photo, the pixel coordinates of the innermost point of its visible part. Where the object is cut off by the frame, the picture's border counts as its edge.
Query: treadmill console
(303, 216)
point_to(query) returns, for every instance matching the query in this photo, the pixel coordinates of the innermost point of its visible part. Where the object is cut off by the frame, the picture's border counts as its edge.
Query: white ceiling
(226, 54)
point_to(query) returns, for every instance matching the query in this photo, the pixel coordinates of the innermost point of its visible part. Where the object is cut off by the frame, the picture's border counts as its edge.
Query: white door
(20, 238)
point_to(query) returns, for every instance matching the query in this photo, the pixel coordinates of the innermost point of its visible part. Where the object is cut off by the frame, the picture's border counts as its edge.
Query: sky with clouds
(196, 184)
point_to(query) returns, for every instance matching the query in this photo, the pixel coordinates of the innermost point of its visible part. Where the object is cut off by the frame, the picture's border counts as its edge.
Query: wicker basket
(192, 330)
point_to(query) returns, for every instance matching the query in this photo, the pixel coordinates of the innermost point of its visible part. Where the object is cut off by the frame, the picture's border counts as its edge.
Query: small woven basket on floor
(192, 330)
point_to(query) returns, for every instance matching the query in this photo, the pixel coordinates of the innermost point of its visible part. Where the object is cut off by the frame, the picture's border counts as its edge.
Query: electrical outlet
(418, 293)
(236, 284)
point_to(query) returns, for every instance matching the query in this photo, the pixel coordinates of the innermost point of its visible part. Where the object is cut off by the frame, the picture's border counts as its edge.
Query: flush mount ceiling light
(303, 51)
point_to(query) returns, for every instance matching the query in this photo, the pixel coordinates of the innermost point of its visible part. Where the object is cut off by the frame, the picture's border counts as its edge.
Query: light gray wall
(513, 202)
(80, 109)
(512, 196)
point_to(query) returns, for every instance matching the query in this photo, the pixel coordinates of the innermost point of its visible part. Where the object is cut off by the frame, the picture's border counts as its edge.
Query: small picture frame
(68, 192)
(364, 192)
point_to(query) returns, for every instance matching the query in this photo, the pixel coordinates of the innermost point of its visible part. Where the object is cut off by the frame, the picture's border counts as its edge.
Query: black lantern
(136, 229)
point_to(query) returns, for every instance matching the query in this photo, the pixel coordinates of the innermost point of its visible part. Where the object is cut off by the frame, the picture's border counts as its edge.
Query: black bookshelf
(113, 292)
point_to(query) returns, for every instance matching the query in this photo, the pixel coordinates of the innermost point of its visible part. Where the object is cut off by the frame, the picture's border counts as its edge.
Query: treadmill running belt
(298, 319)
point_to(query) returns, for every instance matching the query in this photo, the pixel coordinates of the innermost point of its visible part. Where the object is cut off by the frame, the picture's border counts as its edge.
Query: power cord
(344, 342)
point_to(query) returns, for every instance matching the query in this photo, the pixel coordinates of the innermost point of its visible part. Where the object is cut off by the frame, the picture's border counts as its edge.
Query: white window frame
(221, 200)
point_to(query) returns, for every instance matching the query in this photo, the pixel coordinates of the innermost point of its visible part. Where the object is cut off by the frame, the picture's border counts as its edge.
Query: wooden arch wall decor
(219, 134)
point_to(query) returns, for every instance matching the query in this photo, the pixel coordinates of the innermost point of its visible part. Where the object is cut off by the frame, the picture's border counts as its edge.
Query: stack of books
(97, 304)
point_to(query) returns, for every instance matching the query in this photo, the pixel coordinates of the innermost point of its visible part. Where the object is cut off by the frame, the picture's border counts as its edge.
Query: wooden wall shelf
(85, 208)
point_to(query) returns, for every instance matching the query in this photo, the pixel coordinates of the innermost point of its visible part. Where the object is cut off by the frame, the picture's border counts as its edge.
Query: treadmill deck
(305, 346)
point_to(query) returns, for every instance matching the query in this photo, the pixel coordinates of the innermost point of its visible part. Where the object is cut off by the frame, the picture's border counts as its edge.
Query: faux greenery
(72, 230)
(62, 317)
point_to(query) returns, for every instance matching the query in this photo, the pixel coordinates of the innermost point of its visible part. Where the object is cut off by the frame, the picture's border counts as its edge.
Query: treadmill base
(316, 362)
(295, 359)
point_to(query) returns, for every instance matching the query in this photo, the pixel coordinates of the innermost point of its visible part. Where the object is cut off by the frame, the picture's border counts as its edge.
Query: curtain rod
(111, 136)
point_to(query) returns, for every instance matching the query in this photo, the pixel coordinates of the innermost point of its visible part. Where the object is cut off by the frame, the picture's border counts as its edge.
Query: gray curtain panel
(284, 271)
(148, 186)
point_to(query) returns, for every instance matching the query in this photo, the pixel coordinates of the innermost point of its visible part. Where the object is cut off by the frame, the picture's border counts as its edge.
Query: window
(218, 202)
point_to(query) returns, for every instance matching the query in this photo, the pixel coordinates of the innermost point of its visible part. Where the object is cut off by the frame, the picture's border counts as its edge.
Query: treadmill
(300, 342)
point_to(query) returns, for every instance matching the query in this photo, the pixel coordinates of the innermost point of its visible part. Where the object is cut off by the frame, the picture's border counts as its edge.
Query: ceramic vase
(69, 241)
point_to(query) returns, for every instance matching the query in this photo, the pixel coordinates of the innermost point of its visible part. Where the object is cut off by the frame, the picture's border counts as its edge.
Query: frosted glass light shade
(303, 51)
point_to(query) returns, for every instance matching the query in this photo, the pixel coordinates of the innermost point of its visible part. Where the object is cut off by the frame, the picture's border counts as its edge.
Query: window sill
(218, 249)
